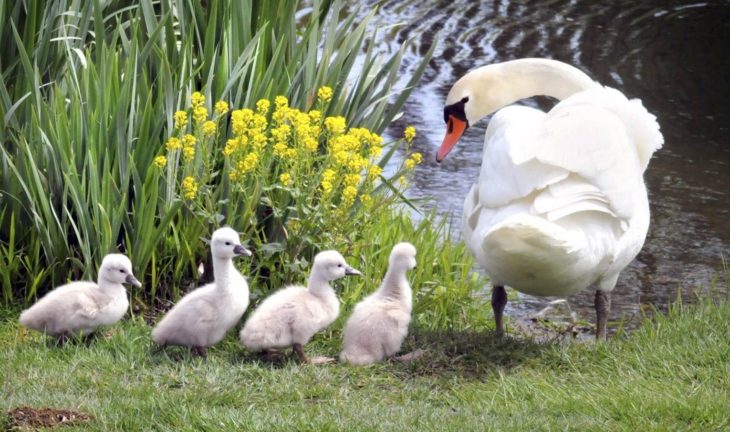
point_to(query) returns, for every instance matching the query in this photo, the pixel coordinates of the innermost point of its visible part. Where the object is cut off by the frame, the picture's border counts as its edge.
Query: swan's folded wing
(510, 170)
(582, 151)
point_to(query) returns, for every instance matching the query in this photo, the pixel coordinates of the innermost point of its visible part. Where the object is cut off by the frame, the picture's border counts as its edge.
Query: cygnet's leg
(62, 338)
(299, 351)
(409, 357)
(499, 300)
(199, 351)
(603, 305)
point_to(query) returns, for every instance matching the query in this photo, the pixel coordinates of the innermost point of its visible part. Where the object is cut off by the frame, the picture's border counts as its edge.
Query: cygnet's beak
(349, 271)
(131, 280)
(240, 250)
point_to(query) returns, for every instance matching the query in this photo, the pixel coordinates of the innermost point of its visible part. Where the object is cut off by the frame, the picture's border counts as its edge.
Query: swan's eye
(339, 265)
(121, 270)
(228, 243)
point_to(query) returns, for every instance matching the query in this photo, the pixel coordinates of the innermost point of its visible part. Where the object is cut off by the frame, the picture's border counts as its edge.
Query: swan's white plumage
(83, 307)
(294, 314)
(560, 203)
(203, 317)
(379, 323)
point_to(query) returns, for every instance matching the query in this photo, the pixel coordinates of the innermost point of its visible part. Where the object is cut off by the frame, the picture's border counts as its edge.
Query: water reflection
(670, 54)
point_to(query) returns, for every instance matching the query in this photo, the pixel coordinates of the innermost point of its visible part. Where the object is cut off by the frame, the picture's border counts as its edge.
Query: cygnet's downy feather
(203, 316)
(292, 315)
(82, 307)
(379, 324)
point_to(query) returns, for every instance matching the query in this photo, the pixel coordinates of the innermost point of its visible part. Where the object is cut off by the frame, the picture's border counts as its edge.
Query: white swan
(292, 315)
(79, 308)
(560, 204)
(379, 324)
(203, 316)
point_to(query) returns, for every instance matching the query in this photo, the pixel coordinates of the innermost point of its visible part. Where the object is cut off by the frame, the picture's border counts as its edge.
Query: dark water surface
(673, 55)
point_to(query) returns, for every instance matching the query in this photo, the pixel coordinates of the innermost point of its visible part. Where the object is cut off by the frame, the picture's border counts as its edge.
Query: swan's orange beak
(455, 128)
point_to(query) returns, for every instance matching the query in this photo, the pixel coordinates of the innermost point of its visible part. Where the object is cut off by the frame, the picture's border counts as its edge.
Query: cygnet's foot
(411, 356)
(321, 360)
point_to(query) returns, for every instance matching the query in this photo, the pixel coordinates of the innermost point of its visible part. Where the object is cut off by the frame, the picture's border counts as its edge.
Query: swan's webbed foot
(299, 351)
(603, 306)
(499, 300)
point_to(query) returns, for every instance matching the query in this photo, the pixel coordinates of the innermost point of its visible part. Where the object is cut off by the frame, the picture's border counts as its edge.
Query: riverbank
(671, 374)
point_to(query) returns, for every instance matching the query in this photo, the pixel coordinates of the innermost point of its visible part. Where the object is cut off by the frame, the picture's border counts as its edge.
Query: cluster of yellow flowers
(299, 144)
(413, 160)
(189, 187)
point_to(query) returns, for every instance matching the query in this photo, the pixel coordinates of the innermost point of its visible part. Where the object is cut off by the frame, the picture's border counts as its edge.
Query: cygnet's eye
(121, 271)
(339, 265)
(228, 243)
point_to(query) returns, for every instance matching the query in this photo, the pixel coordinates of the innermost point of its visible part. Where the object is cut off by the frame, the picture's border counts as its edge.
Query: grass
(671, 374)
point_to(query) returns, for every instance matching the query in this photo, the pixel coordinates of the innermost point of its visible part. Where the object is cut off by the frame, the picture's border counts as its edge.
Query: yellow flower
(181, 119)
(197, 100)
(200, 114)
(326, 186)
(328, 175)
(173, 143)
(352, 179)
(221, 107)
(188, 153)
(262, 106)
(239, 120)
(336, 125)
(248, 163)
(259, 141)
(189, 140)
(291, 153)
(349, 194)
(281, 101)
(409, 134)
(189, 187)
(375, 151)
(324, 94)
(415, 159)
(285, 179)
(374, 172)
(310, 144)
(281, 134)
(315, 116)
(230, 147)
(258, 123)
(280, 149)
(366, 200)
(403, 182)
(160, 161)
(209, 128)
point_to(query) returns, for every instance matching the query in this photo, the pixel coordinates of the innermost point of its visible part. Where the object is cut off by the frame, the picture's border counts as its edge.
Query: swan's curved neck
(109, 285)
(222, 270)
(498, 85)
(318, 284)
(394, 284)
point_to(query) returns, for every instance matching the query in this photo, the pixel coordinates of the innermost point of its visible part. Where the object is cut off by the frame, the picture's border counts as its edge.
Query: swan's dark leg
(299, 351)
(603, 305)
(499, 300)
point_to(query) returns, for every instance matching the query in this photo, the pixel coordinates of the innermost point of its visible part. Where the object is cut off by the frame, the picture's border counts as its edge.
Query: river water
(673, 55)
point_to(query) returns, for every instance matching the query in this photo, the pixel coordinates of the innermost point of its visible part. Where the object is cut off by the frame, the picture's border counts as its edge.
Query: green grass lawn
(672, 374)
